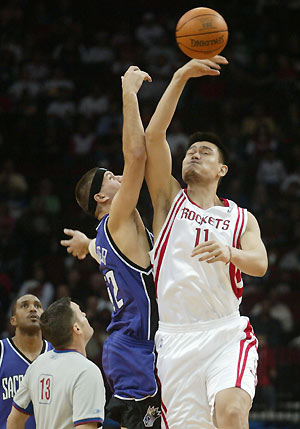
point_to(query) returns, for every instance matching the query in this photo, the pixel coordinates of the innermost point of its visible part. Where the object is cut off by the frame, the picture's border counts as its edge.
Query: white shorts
(197, 361)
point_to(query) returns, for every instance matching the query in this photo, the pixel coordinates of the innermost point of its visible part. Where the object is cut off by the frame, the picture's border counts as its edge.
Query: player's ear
(76, 329)
(100, 198)
(223, 170)
(13, 321)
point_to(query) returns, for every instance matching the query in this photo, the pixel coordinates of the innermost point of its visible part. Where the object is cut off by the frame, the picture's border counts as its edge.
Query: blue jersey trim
(90, 420)
(120, 255)
(28, 410)
(65, 351)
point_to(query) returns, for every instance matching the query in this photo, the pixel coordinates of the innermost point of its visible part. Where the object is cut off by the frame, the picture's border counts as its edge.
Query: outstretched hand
(133, 79)
(78, 245)
(198, 68)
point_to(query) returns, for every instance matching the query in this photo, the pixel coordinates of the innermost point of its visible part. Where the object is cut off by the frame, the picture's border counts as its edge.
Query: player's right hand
(133, 79)
(78, 245)
(198, 68)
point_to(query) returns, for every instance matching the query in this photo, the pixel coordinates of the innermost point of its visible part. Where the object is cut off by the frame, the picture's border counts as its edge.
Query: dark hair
(57, 323)
(210, 137)
(82, 189)
(13, 307)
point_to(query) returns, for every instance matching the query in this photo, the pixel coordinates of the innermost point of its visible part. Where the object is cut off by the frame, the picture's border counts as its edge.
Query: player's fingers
(212, 64)
(69, 232)
(220, 59)
(69, 250)
(210, 256)
(81, 256)
(65, 242)
(148, 78)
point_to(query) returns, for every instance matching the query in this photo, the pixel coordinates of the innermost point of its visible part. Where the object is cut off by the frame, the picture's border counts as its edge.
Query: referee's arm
(16, 419)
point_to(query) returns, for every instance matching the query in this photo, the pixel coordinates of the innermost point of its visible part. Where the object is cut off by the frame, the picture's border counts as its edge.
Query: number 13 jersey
(188, 290)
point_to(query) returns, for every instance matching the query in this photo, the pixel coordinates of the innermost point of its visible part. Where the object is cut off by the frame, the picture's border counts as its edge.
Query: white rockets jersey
(188, 290)
(63, 389)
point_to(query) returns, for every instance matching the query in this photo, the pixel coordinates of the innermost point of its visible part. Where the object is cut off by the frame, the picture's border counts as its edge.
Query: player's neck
(29, 344)
(204, 196)
(79, 346)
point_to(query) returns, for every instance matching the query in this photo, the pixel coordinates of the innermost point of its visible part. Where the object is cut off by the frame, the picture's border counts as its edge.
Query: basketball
(201, 33)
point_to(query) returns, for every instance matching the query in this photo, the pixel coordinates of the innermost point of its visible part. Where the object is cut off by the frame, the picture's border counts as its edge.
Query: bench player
(18, 352)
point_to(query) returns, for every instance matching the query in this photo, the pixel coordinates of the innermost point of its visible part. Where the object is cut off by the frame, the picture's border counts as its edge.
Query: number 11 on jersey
(205, 231)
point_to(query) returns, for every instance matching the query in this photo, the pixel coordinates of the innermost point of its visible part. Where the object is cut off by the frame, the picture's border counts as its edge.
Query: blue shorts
(129, 366)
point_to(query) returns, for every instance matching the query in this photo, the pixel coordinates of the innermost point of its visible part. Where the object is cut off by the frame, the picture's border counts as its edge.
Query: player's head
(64, 324)
(205, 158)
(96, 189)
(25, 314)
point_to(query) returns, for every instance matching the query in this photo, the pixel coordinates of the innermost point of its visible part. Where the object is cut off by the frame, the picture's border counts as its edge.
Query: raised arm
(162, 186)
(133, 141)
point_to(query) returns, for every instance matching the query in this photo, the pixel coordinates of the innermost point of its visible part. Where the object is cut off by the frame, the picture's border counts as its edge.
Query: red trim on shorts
(166, 227)
(249, 335)
(164, 419)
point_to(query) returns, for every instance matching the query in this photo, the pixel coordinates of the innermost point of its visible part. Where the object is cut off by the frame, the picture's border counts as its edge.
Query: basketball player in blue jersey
(17, 353)
(122, 248)
(207, 352)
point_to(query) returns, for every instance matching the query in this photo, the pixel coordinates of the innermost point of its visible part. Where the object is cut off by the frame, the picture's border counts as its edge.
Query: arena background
(61, 114)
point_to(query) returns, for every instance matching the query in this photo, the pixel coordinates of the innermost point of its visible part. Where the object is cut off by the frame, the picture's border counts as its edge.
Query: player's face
(202, 161)
(111, 184)
(80, 317)
(27, 314)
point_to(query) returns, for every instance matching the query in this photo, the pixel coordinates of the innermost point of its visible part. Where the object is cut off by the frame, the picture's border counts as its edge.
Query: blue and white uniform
(13, 365)
(128, 354)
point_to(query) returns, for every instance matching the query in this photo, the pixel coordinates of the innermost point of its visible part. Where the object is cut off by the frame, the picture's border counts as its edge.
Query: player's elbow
(153, 134)
(261, 267)
(136, 154)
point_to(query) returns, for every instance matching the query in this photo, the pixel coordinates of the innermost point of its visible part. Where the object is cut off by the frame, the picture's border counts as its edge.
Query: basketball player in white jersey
(62, 387)
(207, 352)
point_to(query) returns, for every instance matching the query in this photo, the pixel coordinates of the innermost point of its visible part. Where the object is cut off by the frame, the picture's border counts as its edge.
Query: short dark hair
(57, 323)
(210, 137)
(82, 189)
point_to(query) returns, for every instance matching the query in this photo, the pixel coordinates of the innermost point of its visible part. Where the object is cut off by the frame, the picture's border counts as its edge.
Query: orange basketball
(201, 33)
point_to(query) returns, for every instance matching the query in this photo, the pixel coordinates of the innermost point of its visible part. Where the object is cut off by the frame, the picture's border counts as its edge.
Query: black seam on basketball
(194, 17)
(201, 52)
(201, 34)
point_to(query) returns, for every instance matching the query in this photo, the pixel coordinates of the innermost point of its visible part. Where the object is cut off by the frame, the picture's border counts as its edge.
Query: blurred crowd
(61, 114)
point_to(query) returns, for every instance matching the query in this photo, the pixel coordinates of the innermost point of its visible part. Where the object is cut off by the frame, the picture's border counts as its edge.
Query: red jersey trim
(166, 227)
(164, 245)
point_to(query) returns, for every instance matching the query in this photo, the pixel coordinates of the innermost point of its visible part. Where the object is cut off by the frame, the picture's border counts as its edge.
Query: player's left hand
(133, 79)
(78, 245)
(212, 251)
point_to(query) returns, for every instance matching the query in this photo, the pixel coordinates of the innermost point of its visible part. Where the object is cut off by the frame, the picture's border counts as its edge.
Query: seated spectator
(291, 259)
(94, 104)
(277, 310)
(56, 82)
(264, 323)
(25, 83)
(39, 286)
(266, 374)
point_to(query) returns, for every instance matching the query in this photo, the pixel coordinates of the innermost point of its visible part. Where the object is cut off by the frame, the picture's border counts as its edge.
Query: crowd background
(61, 114)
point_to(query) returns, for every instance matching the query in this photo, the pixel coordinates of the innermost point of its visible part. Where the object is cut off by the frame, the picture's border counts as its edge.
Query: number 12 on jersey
(45, 388)
(198, 234)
